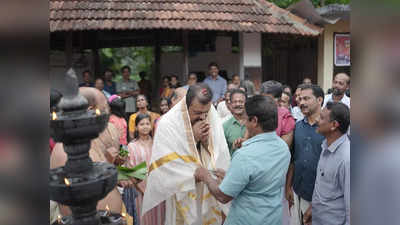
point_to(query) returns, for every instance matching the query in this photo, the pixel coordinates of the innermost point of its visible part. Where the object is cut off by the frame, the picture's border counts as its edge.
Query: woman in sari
(140, 151)
(166, 91)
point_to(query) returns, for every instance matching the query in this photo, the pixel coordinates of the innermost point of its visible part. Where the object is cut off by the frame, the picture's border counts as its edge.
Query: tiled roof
(224, 15)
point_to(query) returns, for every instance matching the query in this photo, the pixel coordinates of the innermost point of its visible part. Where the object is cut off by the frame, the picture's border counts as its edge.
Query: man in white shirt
(223, 107)
(341, 82)
(296, 111)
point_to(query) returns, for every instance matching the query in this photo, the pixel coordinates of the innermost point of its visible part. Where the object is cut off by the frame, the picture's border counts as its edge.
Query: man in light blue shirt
(256, 178)
(216, 83)
(331, 198)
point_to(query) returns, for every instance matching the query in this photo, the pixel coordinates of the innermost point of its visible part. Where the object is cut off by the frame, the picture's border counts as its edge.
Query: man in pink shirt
(286, 121)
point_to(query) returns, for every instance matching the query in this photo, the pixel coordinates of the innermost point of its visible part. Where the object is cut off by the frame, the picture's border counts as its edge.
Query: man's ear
(320, 100)
(254, 122)
(336, 124)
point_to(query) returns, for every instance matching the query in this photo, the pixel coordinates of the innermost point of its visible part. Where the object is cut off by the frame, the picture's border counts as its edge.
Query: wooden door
(289, 59)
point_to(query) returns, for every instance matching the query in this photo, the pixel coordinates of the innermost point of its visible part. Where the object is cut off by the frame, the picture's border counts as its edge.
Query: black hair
(192, 73)
(341, 113)
(166, 77)
(201, 91)
(273, 88)
(142, 73)
(55, 97)
(145, 97)
(288, 94)
(235, 75)
(173, 75)
(99, 78)
(168, 101)
(286, 86)
(266, 111)
(139, 118)
(117, 107)
(175, 86)
(316, 91)
(300, 86)
(109, 70)
(125, 67)
(213, 64)
(172, 96)
(87, 71)
(237, 91)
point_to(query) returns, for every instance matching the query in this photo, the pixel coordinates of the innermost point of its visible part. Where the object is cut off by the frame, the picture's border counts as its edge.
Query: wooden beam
(185, 70)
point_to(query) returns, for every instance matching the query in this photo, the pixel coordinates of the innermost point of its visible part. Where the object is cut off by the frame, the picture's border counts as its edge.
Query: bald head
(343, 76)
(179, 93)
(340, 84)
(96, 98)
(200, 91)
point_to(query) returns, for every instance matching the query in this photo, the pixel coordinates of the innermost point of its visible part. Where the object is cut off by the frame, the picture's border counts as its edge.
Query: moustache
(197, 120)
(238, 107)
(303, 107)
(336, 91)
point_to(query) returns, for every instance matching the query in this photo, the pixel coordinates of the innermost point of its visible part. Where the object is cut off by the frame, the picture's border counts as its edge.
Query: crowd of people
(221, 152)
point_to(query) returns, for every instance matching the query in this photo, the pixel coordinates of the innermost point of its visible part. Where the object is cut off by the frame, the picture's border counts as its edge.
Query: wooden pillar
(185, 70)
(69, 49)
(96, 63)
(157, 68)
(241, 55)
(96, 57)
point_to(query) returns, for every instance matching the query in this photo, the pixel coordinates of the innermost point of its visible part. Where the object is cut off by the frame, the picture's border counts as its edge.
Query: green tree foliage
(316, 3)
(137, 58)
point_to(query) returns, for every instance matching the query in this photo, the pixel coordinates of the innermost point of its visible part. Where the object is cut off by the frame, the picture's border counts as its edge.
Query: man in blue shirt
(256, 178)
(87, 79)
(307, 149)
(216, 83)
(109, 85)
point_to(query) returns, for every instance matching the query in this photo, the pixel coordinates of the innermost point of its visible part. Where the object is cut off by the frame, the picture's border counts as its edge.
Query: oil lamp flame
(123, 215)
(66, 181)
(98, 112)
(59, 219)
(107, 210)
(54, 115)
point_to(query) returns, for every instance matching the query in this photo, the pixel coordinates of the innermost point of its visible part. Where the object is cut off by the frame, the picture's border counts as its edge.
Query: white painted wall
(326, 52)
(252, 49)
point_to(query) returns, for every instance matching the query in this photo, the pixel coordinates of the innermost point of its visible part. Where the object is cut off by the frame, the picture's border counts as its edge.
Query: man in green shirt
(234, 128)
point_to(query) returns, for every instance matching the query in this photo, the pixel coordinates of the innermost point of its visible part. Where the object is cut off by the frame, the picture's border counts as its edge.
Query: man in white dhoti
(188, 136)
